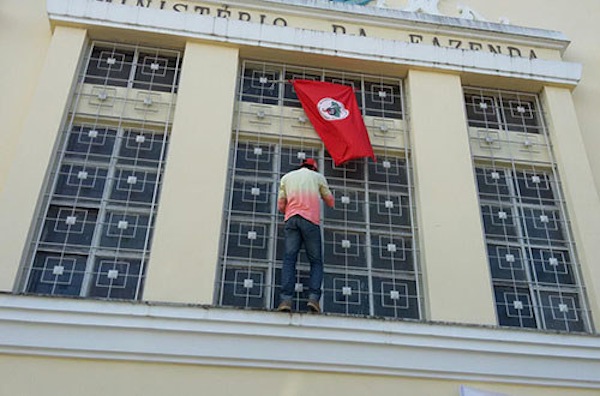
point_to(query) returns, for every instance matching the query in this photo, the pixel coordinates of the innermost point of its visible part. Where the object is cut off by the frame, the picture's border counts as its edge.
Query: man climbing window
(298, 199)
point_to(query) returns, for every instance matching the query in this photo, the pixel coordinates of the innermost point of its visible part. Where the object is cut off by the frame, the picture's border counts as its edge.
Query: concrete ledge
(204, 335)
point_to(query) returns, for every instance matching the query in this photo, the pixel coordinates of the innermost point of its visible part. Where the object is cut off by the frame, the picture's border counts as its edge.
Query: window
(370, 251)
(94, 232)
(532, 258)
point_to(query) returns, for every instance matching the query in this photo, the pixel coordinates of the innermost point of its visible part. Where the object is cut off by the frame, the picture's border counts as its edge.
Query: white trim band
(144, 332)
(95, 13)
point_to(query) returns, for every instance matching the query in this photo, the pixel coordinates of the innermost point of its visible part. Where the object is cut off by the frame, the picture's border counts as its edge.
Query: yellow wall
(99, 378)
(185, 246)
(43, 120)
(24, 39)
(452, 248)
(186, 242)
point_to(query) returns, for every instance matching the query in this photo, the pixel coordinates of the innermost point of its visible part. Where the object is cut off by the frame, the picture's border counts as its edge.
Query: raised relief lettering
(475, 46)
(279, 22)
(514, 51)
(180, 7)
(455, 43)
(223, 12)
(202, 10)
(495, 50)
(338, 29)
(415, 38)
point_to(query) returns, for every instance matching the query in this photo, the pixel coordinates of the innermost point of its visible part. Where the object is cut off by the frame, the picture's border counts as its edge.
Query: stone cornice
(100, 14)
(396, 18)
(203, 335)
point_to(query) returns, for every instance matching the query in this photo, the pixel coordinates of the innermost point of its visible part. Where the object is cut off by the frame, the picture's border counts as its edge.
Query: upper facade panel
(415, 34)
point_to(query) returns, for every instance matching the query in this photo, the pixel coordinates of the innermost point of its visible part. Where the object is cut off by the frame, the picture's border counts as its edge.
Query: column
(33, 154)
(583, 202)
(456, 275)
(185, 246)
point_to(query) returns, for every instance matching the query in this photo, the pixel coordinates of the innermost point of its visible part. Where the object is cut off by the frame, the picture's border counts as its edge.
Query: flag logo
(332, 110)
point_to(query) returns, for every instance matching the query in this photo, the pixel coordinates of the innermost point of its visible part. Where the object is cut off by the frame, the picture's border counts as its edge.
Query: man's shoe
(313, 306)
(285, 306)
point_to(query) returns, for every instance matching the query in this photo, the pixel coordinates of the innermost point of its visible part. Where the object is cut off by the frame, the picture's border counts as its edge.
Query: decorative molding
(99, 14)
(187, 334)
(400, 19)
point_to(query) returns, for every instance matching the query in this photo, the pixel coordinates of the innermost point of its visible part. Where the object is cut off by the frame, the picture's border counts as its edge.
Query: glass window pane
(109, 66)
(69, 226)
(157, 72)
(252, 196)
(514, 307)
(392, 253)
(553, 267)
(492, 184)
(482, 111)
(506, 263)
(349, 206)
(562, 311)
(387, 209)
(260, 85)
(90, 143)
(520, 115)
(244, 287)
(116, 277)
(388, 171)
(396, 298)
(81, 182)
(133, 186)
(499, 222)
(383, 99)
(142, 148)
(248, 240)
(57, 273)
(346, 294)
(535, 188)
(543, 227)
(344, 249)
(125, 230)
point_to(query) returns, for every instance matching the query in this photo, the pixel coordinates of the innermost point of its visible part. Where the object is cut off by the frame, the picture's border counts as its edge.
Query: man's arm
(281, 197)
(326, 193)
(329, 200)
(281, 204)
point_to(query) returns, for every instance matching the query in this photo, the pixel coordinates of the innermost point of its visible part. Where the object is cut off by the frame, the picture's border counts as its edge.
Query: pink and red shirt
(300, 192)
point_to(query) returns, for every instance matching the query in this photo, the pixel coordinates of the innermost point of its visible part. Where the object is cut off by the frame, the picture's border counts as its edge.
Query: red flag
(334, 113)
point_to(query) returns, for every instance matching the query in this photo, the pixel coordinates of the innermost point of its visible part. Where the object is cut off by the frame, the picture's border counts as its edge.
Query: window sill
(205, 335)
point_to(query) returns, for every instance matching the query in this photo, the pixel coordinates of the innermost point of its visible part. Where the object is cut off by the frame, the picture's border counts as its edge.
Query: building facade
(143, 145)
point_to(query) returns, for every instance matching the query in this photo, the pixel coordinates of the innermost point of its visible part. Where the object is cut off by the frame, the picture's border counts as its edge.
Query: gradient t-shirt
(299, 194)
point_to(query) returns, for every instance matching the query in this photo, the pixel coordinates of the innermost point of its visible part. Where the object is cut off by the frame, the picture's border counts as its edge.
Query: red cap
(310, 162)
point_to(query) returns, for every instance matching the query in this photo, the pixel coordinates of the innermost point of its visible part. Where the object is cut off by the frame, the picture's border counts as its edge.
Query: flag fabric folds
(334, 113)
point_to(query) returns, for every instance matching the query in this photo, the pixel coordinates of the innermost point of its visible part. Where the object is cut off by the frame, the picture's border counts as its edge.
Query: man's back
(299, 194)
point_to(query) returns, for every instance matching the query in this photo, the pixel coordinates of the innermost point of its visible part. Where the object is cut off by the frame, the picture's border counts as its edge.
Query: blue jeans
(297, 231)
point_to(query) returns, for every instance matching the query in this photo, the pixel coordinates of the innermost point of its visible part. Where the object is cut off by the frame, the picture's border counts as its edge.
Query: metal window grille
(531, 253)
(93, 235)
(370, 250)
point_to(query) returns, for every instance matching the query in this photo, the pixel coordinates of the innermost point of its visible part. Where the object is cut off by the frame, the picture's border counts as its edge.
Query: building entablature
(332, 29)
